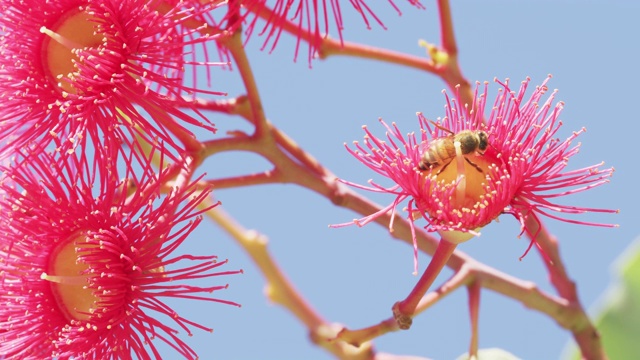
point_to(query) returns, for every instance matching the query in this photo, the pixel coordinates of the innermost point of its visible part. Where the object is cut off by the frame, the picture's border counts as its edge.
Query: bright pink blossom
(311, 20)
(99, 70)
(522, 172)
(86, 261)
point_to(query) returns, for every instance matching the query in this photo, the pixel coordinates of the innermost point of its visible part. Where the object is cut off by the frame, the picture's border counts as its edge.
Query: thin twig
(473, 290)
(280, 290)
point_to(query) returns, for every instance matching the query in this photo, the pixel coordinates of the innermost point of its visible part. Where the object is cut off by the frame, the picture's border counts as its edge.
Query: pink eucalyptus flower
(310, 20)
(85, 267)
(521, 170)
(78, 69)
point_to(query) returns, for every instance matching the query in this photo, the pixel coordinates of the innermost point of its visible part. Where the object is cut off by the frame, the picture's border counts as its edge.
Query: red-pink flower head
(73, 70)
(308, 20)
(458, 189)
(86, 267)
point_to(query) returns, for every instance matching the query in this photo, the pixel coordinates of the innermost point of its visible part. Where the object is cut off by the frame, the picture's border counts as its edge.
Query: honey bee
(442, 150)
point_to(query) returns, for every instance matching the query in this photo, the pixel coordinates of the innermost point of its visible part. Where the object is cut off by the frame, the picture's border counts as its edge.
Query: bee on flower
(475, 164)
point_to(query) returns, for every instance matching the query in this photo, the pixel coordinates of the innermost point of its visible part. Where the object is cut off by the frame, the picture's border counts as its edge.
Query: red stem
(474, 314)
(443, 252)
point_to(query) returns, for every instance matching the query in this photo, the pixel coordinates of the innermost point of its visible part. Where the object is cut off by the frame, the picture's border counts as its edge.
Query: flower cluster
(93, 93)
(458, 185)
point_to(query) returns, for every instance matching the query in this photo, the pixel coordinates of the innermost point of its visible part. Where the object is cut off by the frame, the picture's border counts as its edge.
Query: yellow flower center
(74, 31)
(70, 281)
(468, 179)
(464, 177)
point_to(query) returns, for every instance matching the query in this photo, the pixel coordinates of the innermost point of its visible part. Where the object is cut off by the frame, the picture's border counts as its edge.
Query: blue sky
(353, 275)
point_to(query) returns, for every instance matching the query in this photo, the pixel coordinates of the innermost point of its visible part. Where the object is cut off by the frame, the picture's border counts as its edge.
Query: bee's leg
(473, 164)
(442, 128)
(444, 167)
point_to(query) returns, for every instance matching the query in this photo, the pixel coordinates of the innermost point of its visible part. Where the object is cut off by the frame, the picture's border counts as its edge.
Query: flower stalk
(404, 310)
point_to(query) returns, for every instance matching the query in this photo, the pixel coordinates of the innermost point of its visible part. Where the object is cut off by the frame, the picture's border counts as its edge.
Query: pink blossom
(522, 172)
(98, 70)
(87, 261)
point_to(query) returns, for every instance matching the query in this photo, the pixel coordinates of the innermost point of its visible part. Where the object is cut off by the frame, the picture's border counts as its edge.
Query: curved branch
(234, 106)
(280, 290)
(235, 46)
(267, 177)
(332, 47)
(584, 332)
(447, 35)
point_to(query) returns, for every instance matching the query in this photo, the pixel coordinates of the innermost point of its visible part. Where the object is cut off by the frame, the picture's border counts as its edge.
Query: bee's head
(484, 140)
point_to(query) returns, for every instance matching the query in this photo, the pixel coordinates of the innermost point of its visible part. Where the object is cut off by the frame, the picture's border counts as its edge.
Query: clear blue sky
(352, 275)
